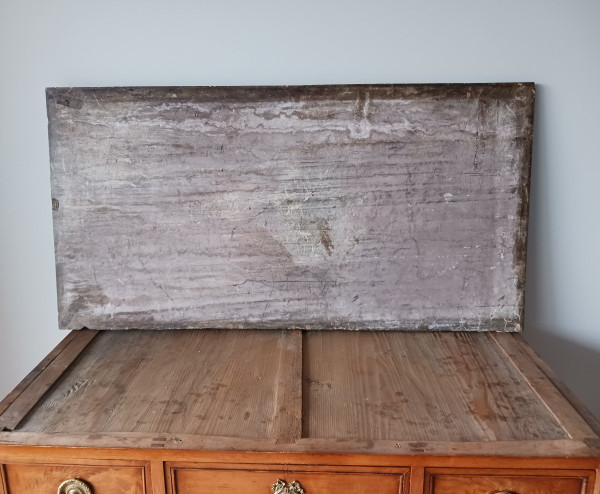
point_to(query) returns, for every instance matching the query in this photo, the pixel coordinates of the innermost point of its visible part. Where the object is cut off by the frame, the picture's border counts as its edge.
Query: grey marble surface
(377, 207)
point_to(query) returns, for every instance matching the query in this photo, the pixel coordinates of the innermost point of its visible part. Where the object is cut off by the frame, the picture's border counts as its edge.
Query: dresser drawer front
(212, 481)
(100, 479)
(506, 482)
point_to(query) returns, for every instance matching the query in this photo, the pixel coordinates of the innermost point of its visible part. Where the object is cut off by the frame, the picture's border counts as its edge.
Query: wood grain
(32, 376)
(481, 455)
(465, 484)
(191, 481)
(572, 414)
(357, 385)
(548, 448)
(2, 480)
(181, 382)
(417, 479)
(418, 387)
(45, 479)
(157, 477)
(287, 417)
(381, 206)
(473, 481)
(42, 381)
(376, 393)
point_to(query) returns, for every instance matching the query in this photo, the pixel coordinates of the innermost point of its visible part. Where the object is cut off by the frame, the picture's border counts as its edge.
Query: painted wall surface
(185, 42)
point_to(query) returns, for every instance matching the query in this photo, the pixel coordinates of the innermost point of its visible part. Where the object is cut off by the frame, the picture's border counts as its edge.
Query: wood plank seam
(593, 443)
(528, 381)
(569, 418)
(287, 418)
(29, 378)
(575, 402)
(28, 398)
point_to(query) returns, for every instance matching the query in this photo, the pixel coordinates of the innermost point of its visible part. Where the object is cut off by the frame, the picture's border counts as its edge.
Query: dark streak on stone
(69, 101)
(324, 231)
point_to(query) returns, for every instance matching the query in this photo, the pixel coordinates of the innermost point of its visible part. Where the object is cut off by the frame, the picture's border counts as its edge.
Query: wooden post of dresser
(157, 477)
(3, 489)
(417, 476)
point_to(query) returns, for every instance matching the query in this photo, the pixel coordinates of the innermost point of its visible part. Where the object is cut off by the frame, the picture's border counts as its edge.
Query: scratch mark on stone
(324, 232)
(98, 103)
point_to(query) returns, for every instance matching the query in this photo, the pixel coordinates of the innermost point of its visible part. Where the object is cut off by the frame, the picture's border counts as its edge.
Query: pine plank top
(270, 390)
(417, 387)
(190, 382)
(317, 207)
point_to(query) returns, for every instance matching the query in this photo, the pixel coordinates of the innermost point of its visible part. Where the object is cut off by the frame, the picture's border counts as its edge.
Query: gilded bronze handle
(280, 487)
(506, 492)
(74, 486)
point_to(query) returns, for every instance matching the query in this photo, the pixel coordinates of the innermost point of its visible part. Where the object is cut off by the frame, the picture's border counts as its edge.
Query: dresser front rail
(56, 470)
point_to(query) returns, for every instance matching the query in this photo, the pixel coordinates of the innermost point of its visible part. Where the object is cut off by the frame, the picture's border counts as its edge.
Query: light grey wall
(83, 43)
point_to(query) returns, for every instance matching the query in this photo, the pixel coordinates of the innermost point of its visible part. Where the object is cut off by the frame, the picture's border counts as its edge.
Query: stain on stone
(70, 101)
(360, 105)
(92, 296)
(324, 234)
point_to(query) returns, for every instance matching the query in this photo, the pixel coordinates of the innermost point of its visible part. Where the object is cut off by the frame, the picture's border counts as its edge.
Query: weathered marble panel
(378, 207)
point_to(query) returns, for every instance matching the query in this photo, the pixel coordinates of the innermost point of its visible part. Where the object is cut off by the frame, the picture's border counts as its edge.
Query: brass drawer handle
(506, 492)
(280, 487)
(74, 486)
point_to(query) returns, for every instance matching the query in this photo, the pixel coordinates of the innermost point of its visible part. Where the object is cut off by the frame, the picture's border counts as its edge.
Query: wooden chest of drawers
(206, 235)
(48, 476)
(354, 412)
